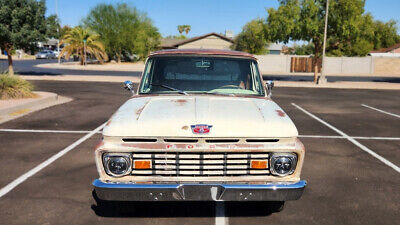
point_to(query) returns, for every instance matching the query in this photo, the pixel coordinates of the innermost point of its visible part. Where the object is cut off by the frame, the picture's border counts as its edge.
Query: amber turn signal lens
(259, 164)
(142, 164)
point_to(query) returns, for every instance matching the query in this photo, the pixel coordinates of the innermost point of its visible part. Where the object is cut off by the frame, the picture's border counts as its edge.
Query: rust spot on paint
(281, 113)
(261, 113)
(140, 110)
(101, 143)
(180, 102)
(299, 145)
(185, 127)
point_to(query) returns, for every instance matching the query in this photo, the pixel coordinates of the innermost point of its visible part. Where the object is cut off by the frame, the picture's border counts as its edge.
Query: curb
(19, 110)
(84, 78)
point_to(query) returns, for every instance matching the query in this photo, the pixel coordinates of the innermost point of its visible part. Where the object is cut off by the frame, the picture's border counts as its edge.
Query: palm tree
(74, 41)
(184, 28)
(181, 28)
(187, 28)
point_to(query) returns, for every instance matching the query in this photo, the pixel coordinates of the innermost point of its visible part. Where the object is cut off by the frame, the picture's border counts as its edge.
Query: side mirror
(128, 85)
(269, 85)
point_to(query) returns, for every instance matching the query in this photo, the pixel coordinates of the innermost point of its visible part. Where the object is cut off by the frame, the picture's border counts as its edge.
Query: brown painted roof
(202, 52)
(174, 43)
(170, 42)
(389, 49)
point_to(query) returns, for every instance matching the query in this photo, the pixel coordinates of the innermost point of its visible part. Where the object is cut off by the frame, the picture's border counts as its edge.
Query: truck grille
(201, 164)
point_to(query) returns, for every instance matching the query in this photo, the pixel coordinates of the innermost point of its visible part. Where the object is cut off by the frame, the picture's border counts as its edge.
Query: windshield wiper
(170, 88)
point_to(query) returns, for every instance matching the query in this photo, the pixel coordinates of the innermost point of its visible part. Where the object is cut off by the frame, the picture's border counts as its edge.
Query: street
(347, 182)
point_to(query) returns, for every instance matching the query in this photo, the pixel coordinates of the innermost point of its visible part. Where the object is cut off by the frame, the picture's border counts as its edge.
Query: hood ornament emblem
(201, 128)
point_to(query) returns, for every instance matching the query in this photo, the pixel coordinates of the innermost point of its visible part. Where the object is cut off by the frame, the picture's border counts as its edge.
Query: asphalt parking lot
(351, 165)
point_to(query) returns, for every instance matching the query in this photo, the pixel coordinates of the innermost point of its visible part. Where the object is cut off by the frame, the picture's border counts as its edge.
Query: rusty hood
(173, 116)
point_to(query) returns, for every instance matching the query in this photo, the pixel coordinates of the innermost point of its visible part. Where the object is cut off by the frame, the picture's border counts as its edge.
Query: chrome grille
(200, 164)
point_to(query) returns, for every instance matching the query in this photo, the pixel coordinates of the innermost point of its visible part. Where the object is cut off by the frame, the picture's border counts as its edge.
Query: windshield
(193, 74)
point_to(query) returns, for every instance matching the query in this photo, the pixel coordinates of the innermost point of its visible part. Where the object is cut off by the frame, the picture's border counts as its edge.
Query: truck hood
(173, 116)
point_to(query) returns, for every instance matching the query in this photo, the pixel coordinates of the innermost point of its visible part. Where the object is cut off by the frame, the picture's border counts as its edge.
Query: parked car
(56, 53)
(201, 127)
(45, 54)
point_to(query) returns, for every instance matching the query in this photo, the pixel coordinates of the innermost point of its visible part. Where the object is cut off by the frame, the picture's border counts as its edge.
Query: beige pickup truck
(200, 127)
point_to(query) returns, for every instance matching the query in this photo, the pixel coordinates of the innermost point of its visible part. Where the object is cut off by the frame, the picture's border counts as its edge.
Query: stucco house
(275, 49)
(390, 51)
(208, 41)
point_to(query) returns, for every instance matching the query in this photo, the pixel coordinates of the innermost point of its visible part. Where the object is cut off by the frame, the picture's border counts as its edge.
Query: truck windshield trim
(202, 75)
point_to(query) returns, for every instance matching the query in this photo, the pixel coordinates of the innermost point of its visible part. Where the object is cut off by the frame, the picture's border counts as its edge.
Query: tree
(304, 20)
(182, 37)
(53, 27)
(305, 49)
(22, 24)
(187, 29)
(123, 30)
(184, 28)
(147, 39)
(385, 34)
(75, 43)
(252, 38)
(64, 30)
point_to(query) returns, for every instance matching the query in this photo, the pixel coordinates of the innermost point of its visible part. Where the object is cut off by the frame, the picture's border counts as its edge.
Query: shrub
(12, 86)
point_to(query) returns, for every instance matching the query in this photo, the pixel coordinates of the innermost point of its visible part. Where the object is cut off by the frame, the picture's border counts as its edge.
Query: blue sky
(203, 15)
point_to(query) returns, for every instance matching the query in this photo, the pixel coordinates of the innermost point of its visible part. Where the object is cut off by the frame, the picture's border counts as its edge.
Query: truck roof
(218, 52)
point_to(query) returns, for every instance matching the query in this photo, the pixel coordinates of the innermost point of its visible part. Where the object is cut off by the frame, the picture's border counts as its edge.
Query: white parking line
(50, 160)
(378, 138)
(380, 110)
(99, 132)
(352, 140)
(220, 218)
(361, 138)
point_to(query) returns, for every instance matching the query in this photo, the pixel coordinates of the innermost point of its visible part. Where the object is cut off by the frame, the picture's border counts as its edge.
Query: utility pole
(58, 32)
(84, 50)
(322, 78)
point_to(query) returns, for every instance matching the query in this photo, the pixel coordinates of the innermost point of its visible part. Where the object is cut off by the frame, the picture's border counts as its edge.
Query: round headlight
(283, 164)
(117, 164)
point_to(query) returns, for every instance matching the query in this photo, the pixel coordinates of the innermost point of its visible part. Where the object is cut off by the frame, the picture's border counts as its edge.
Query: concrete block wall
(349, 65)
(341, 66)
(279, 64)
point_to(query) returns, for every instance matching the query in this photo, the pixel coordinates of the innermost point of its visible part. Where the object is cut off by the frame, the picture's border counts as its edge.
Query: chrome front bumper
(198, 192)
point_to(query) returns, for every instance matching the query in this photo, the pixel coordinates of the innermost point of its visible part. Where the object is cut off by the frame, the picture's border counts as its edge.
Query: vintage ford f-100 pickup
(201, 127)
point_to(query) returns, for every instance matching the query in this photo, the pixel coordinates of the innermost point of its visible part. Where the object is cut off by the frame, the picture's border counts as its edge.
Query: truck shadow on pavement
(177, 209)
